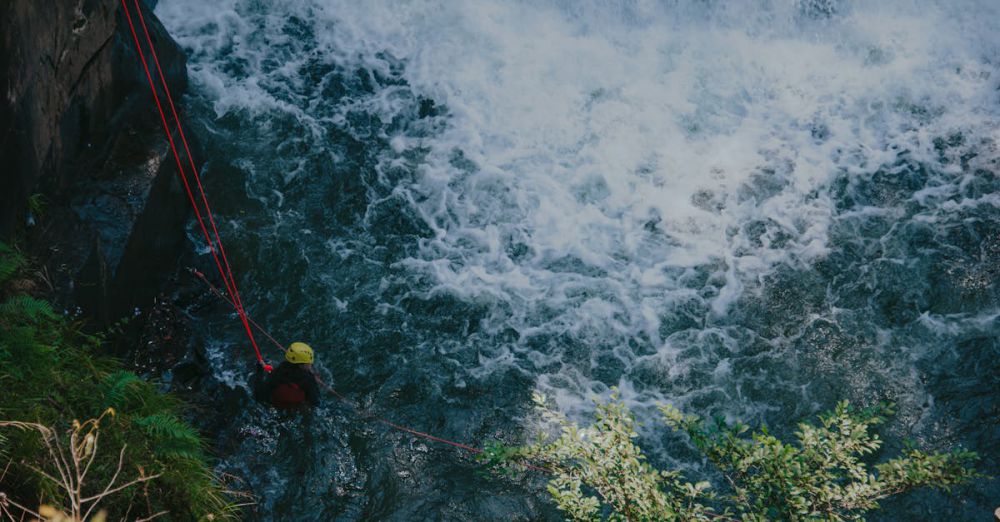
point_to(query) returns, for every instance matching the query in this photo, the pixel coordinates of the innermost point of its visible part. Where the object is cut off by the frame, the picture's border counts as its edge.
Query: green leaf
(23, 307)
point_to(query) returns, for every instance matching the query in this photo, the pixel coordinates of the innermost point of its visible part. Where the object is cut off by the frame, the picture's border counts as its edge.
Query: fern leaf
(26, 307)
(116, 388)
(172, 436)
(10, 262)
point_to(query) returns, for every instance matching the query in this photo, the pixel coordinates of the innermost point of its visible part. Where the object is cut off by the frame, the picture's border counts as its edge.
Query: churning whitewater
(748, 210)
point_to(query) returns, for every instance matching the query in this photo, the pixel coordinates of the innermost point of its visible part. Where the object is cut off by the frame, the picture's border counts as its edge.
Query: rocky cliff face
(78, 126)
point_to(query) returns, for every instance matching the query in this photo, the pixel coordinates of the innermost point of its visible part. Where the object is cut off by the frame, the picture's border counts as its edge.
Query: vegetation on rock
(52, 374)
(599, 472)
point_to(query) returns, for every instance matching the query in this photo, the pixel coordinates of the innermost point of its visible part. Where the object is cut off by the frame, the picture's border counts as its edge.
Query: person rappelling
(293, 384)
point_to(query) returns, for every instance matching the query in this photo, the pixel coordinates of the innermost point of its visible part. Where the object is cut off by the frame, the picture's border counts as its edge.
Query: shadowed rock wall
(78, 125)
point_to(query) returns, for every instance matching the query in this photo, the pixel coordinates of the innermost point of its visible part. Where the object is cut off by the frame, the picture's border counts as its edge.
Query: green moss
(51, 373)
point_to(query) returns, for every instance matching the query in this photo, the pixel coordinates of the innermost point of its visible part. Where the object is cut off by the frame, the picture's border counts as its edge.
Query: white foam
(620, 142)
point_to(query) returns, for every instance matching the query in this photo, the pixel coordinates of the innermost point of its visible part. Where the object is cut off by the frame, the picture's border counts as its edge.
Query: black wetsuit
(288, 386)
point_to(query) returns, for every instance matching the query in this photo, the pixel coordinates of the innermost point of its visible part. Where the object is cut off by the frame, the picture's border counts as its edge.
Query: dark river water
(750, 210)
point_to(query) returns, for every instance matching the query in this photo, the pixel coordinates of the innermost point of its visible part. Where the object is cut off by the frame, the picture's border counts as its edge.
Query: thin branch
(74, 450)
(90, 460)
(145, 494)
(129, 484)
(147, 519)
(46, 475)
(61, 464)
(7, 467)
(3, 507)
(7, 500)
(5, 511)
(121, 460)
(57, 453)
(129, 510)
(46, 435)
(74, 447)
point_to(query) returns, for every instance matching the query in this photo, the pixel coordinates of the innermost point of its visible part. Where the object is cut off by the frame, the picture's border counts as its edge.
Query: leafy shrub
(600, 472)
(10, 262)
(52, 374)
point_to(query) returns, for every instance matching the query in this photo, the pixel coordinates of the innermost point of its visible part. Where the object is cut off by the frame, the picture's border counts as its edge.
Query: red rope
(222, 296)
(393, 425)
(357, 410)
(226, 273)
(194, 169)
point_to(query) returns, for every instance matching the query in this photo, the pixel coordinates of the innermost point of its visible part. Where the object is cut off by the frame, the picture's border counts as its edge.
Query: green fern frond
(26, 307)
(8, 266)
(28, 351)
(116, 388)
(173, 436)
(10, 262)
(20, 338)
(52, 371)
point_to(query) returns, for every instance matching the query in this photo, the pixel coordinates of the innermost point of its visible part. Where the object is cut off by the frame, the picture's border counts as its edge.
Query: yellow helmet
(299, 353)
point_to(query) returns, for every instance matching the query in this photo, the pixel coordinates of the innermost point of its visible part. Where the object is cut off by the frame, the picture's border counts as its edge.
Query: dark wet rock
(136, 212)
(168, 347)
(77, 124)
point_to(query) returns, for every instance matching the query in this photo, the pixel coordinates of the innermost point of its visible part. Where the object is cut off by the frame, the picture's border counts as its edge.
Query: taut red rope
(226, 273)
(215, 244)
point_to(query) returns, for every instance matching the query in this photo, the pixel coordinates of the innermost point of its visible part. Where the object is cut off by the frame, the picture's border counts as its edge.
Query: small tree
(600, 472)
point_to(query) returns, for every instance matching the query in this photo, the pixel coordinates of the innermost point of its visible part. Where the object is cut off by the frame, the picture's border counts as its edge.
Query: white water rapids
(619, 186)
